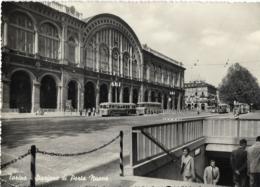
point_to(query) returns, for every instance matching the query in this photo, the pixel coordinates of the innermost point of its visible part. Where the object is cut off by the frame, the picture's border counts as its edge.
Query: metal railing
(170, 134)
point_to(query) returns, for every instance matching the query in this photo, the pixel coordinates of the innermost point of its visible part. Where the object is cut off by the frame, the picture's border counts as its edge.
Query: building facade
(53, 60)
(200, 94)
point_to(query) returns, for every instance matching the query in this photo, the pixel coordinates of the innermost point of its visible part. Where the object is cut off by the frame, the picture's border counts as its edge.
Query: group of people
(245, 163)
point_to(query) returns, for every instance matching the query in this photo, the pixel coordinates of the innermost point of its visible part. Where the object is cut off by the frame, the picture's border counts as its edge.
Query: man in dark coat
(239, 164)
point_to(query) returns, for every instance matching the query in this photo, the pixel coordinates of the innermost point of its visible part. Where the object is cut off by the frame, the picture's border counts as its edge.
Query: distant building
(200, 94)
(53, 60)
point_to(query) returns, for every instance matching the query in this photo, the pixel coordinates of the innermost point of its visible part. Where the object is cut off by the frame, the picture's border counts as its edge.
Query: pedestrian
(211, 173)
(253, 163)
(187, 165)
(198, 110)
(238, 162)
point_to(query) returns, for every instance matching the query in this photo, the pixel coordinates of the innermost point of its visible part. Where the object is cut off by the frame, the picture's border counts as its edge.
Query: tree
(239, 85)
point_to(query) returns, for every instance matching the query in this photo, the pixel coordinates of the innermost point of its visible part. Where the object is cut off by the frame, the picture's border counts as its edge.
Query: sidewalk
(6, 116)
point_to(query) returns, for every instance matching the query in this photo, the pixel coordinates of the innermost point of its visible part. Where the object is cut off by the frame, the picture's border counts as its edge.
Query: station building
(52, 60)
(200, 94)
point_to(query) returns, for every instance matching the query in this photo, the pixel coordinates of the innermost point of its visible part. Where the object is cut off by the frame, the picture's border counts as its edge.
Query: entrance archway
(165, 101)
(126, 95)
(89, 96)
(48, 92)
(146, 96)
(159, 97)
(152, 96)
(202, 106)
(73, 93)
(115, 94)
(103, 95)
(21, 91)
(135, 96)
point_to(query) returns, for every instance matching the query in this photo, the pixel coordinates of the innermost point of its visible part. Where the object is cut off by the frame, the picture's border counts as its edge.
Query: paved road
(69, 135)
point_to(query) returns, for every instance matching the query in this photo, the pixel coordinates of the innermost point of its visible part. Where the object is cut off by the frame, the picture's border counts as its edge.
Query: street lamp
(172, 93)
(116, 84)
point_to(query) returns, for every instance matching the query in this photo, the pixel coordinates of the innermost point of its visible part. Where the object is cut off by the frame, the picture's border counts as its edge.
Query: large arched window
(145, 72)
(48, 41)
(72, 50)
(152, 72)
(104, 58)
(160, 74)
(126, 64)
(135, 69)
(90, 56)
(21, 33)
(115, 61)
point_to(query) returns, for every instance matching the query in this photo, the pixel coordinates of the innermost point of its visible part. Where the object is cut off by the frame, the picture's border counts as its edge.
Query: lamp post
(116, 84)
(172, 93)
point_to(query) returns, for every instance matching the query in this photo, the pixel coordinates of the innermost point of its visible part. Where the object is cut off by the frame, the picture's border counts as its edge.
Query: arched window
(72, 50)
(21, 33)
(115, 62)
(135, 69)
(160, 74)
(145, 72)
(126, 64)
(152, 72)
(90, 56)
(48, 41)
(104, 58)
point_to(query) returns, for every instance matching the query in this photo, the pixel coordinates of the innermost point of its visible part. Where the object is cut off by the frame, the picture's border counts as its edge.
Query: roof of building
(198, 84)
(162, 56)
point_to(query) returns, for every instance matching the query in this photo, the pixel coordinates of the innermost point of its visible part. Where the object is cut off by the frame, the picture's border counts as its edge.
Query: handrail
(167, 151)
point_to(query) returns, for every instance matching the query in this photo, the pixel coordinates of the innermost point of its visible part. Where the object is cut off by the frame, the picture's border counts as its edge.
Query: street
(69, 135)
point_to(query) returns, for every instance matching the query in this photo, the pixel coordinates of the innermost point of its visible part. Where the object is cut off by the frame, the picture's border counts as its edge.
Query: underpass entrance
(223, 163)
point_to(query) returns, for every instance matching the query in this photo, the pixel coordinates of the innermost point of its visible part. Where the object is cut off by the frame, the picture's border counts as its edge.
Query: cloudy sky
(208, 34)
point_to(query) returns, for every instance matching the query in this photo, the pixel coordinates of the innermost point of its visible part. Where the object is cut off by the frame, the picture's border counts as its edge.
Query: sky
(211, 35)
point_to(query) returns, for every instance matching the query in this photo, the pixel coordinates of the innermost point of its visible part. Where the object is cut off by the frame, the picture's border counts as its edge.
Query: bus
(223, 108)
(212, 109)
(117, 109)
(241, 108)
(148, 108)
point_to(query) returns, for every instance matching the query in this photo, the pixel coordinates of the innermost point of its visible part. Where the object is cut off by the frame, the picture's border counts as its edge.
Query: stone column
(36, 46)
(79, 99)
(35, 96)
(6, 93)
(131, 95)
(63, 43)
(110, 88)
(5, 31)
(59, 101)
(149, 96)
(162, 100)
(131, 63)
(141, 93)
(97, 95)
(97, 55)
(173, 102)
(179, 101)
(64, 96)
(120, 94)
(121, 57)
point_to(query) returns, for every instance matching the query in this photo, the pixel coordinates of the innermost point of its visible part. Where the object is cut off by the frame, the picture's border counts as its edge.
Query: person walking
(211, 173)
(238, 162)
(187, 165)
(253, 163)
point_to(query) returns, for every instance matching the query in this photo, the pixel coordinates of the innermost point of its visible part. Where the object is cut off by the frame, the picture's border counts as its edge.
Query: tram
(241, 108)
(117, 109)
(148, 108)
(223, 108)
